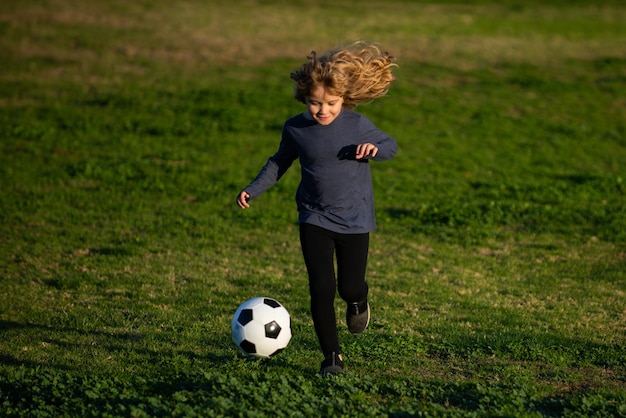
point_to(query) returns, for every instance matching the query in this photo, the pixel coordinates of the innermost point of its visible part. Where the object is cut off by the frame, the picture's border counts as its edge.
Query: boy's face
(322, 106)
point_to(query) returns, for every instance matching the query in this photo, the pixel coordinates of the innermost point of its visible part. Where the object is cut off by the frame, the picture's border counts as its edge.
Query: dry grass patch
(79, 39)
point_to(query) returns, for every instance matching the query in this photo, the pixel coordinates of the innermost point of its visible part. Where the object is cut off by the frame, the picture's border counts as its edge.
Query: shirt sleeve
(387, 146)
(275, 167)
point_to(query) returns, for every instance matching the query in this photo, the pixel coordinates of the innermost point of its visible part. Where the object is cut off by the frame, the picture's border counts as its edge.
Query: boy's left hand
(366, 150)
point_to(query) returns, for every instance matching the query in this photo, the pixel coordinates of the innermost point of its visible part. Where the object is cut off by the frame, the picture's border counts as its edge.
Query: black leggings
(318, 248)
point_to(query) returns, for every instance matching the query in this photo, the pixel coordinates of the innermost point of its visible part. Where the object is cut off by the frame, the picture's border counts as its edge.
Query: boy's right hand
(242, 200)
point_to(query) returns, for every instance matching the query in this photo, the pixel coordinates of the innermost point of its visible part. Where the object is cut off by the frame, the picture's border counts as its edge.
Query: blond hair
(359, 73)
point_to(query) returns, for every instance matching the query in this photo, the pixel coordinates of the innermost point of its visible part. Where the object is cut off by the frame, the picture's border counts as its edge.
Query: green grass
(497, 272)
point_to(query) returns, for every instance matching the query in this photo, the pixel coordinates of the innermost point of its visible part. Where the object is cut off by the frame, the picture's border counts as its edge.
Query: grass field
(497, 272)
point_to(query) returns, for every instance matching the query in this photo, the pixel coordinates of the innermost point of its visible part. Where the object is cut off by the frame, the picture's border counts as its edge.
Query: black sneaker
(358, 317)
(332, 364)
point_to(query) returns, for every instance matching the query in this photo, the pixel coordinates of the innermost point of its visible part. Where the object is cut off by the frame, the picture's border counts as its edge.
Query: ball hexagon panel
(244, 317)
(272, 330)
(247, 347)
(271, 302)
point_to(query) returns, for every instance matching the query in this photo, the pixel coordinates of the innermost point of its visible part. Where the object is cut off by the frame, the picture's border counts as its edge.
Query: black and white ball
(261, 327)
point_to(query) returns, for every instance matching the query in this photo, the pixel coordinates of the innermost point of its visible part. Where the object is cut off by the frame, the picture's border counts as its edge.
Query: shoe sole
(367, 322)
(334, 368)
(331, 370)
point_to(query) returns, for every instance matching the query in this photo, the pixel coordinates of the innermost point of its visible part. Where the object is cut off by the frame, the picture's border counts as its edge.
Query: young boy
(335, 198)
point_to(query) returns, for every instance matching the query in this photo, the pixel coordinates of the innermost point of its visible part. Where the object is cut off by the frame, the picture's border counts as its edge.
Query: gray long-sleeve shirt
(335, 191)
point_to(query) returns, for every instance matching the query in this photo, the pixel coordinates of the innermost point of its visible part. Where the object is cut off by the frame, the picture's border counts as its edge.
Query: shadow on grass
(239, 387)
(213, 379)
(99, 344)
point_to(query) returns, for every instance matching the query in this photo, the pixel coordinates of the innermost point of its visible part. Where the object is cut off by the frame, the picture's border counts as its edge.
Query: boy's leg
(318, 250)
(352, 251)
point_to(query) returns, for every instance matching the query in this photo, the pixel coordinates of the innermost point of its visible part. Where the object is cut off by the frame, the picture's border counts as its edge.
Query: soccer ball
(261, 327)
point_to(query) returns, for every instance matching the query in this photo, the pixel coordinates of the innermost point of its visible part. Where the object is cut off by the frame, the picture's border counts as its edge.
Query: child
(335, 197)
